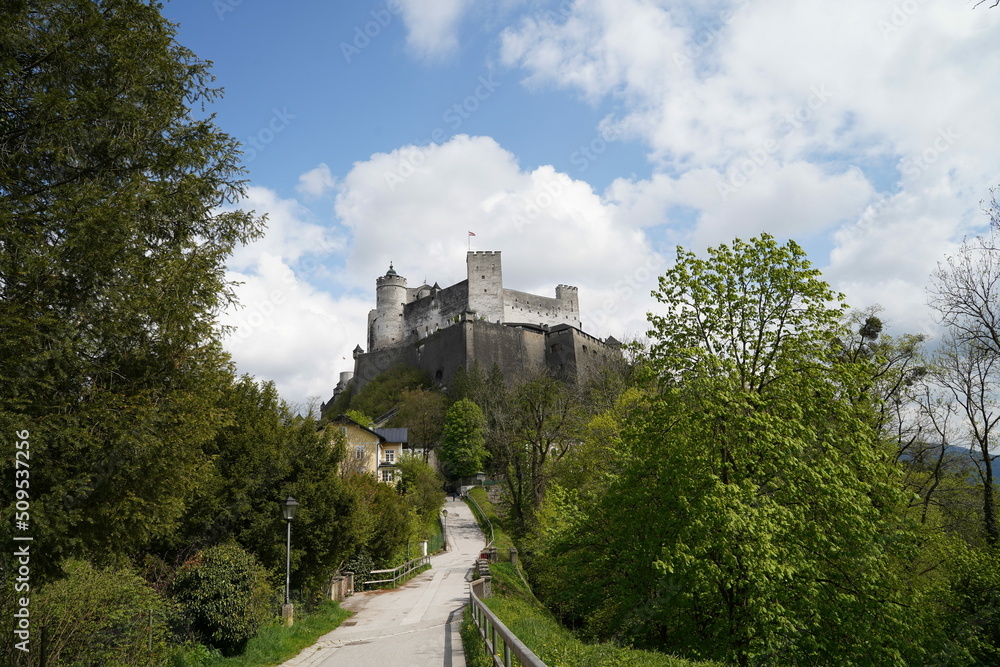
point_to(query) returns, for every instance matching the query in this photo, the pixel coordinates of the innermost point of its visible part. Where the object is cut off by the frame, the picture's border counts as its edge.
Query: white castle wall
(408, 314)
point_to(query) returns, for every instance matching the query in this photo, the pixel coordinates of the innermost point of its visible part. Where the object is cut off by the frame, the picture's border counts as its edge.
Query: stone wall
(524, 308)
(436, 311)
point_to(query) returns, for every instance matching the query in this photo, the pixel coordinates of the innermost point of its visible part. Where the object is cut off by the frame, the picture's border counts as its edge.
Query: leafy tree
(775, 529)
(530, 425)
(382, 519)
(382, 395)
(112, 248)
(264, 455)
(421, 411)
(422, 487)
(95, 616)
(360, 418)
(548, 416)
(463, 442)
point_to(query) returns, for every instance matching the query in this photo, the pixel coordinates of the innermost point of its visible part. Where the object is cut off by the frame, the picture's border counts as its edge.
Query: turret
(390, 297)
(569, 298)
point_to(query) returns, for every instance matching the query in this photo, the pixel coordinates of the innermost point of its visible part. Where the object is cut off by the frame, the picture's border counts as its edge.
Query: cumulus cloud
(285, 328)
(865, 123)
(432, 26)
(317, 181)
(415, 207)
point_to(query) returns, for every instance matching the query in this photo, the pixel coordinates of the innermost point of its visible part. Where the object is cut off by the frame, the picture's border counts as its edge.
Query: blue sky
(585, 139)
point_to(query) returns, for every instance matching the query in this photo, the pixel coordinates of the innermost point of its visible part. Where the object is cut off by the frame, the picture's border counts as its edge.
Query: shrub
(101, 617)
(361, 565)
(225, 596)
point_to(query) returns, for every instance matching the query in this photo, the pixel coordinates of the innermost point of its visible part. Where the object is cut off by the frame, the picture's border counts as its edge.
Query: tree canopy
(112, 247)
(775, 527)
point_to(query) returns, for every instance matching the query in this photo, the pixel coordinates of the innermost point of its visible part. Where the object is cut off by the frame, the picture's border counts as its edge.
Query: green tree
(421, 411)
(382, 519)
(261, 457)
(463, 443)
(775, 528)
(225, 596)
(422, 487)
(382, 395)
(113, 239)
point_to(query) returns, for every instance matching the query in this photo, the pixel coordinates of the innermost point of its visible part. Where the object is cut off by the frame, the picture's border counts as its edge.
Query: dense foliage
(463, 443)
(116, 220)
(776, 526)
(112, 251)
(104, 616)
(225, 596)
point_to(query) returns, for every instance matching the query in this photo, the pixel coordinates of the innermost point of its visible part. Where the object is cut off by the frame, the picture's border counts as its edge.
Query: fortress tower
(385, 324)
(485, 285)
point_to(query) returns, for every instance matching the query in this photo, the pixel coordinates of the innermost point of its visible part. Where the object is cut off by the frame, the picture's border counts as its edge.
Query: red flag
(471, 234)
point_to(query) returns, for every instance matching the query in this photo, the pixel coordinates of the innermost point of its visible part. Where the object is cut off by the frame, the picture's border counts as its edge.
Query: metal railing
(485, 518)
(500, 642)
(399, 572)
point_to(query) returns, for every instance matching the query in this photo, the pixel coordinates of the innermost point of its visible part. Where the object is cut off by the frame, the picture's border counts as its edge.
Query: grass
(274, 644)
(503, 542)
(475, 652)
(514, 604)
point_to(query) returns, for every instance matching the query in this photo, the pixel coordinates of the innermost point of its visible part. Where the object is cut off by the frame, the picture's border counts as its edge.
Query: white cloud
(432, 26)
(416, 205)
(291, 234)
(285, 329)
(317, 181)
(801, 108)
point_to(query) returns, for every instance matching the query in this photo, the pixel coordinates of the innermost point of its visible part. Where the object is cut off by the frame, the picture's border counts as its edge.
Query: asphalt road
(416, 625)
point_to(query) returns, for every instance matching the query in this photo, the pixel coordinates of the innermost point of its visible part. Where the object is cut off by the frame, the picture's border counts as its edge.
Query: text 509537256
(22, 551)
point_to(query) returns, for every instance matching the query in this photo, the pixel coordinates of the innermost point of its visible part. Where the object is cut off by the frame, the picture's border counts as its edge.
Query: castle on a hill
(477, 320)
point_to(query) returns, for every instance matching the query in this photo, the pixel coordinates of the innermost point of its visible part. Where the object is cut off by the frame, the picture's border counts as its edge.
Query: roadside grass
(514, 603)
(503, 541)
(273, 645)
(472, 644)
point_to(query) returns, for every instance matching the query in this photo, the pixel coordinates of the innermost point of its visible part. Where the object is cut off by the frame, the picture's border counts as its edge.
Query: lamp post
(288, 509)
(444, 533)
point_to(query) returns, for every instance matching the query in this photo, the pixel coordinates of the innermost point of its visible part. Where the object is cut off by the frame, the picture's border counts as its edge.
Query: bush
(225, 596)
(100, 617)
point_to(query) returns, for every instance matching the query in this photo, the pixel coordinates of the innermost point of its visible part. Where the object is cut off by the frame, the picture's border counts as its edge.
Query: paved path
(416, 625)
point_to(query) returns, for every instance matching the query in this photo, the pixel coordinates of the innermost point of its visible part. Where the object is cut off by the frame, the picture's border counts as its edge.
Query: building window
(387, 475)
(359, 451)
(390, 456)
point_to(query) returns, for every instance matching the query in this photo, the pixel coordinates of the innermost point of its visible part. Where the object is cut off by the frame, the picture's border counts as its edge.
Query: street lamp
(444, 530)
(288, 509)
